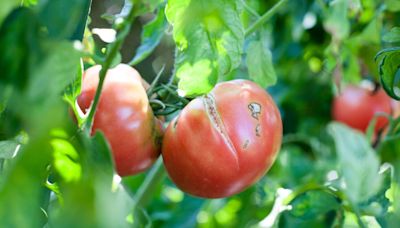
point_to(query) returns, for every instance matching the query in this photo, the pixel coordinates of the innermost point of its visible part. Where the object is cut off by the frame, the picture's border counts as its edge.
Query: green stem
(147, 188)
(249, 9)
(264, 17)
(111, 53)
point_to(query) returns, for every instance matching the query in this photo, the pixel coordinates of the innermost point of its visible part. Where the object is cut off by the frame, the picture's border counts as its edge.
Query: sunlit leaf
(209, 38)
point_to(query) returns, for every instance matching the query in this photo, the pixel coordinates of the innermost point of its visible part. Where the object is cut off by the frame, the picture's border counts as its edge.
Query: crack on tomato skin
(218, 124)
(258, 130)
(255, 109)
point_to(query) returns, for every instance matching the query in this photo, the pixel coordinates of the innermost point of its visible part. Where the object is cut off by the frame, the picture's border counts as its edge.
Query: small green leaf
(209, 38)
(150, 37)
(66, 160)
(8, 148)
(259, 63)
(389, 63)
(358, 163)
(393, 36)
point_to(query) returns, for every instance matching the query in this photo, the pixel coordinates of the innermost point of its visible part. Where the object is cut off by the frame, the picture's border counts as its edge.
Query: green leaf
(65, 20)
(358, 163)
(8, 148)
(259, 63)
(337, 22)
(389, 63)
(6, 7)
(150, 37)
(312, 204)
(209, 38)
(393, 36)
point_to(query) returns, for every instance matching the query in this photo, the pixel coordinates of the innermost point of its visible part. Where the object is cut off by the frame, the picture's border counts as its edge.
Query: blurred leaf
(378, 204)
(65, 160)
(6, 7)
(8, 148)
(186, 213)
(259, 63)
(389, 63)
(393, 36)
(21, 191)
(337, 22)
(145, 6)
(313, 204)
(209, 38)
(392, 5)
(151, 36)
(64, 20)
(358, 163)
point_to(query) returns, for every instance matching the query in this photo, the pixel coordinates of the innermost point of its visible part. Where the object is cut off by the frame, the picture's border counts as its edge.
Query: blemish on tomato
(255, 109)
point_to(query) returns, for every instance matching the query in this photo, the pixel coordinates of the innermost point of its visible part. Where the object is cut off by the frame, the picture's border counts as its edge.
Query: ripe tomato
(356, 107)
(223, 142)
(124, 116)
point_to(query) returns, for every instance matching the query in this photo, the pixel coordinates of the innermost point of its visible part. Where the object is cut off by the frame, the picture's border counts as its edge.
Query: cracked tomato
(124, 116)
(223, 142)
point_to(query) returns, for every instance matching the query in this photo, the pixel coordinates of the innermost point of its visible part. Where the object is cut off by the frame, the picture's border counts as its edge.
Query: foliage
(54, 174)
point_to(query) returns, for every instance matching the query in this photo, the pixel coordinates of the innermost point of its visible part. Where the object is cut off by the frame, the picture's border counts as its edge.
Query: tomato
(356, 107)
(223, 142)
(124, 116)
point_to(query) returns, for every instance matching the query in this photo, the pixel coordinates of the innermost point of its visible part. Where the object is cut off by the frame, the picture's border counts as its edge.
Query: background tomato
(223, 142)
(124, 116)
(356, 107)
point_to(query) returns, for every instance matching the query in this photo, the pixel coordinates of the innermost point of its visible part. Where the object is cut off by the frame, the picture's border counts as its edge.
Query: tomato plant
(124, 116)
(223, 142)
(210, 66)
(357, 106)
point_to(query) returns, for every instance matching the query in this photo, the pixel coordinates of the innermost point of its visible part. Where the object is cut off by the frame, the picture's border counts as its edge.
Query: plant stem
(147, 188)
(249, 9)
(264, 17)
(110, 55)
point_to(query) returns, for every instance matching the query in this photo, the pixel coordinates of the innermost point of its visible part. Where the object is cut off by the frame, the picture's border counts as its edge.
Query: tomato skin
(216, 147)
(356, 107)
(124, 116)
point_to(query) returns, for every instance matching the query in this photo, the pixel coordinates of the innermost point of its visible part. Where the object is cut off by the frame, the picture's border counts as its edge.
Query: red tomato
(223, 142)
(124, 116)
(356, 107)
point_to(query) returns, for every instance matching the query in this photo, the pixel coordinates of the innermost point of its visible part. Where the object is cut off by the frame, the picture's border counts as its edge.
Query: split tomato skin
(124, 116)
(357, 106)
(223, 142)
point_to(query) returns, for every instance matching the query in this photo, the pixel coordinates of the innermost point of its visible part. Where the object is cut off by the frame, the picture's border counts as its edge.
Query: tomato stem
(112, 52)
(147, 188)
(265, 17)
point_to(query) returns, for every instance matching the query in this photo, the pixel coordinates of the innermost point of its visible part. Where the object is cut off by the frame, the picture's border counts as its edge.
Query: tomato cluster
(220, 143)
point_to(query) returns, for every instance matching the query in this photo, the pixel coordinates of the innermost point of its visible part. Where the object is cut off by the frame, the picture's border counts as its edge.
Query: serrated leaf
(8, 148)
(151, 36)
(337, 22)
(393, 36)
(209, 38)
(359, 164)
(259, 63)
(389, 63)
